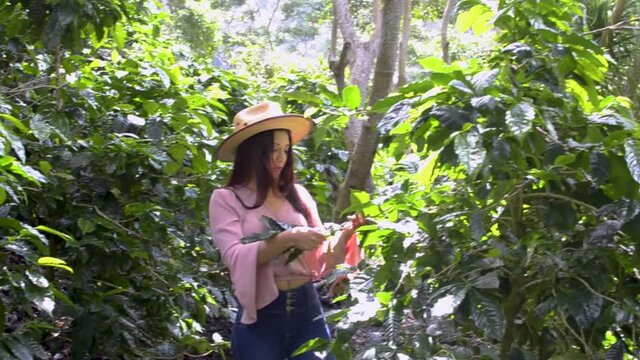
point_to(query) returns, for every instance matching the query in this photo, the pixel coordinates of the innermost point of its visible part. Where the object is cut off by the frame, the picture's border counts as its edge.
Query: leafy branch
(273, 228)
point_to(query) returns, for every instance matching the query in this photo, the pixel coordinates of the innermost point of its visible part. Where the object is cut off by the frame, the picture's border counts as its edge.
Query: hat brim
(298, 126)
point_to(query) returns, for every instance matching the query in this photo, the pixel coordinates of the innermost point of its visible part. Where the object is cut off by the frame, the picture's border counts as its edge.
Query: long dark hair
(253, 157)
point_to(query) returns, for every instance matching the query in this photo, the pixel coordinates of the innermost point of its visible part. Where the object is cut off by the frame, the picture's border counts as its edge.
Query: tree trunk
(361, 60)
(338, 64)
(633, 79)
(616, 16)
(404, 44)
(444, 30)
(361, 160)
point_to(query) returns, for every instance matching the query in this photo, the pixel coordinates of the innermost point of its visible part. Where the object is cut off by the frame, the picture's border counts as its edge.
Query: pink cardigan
(255, 286)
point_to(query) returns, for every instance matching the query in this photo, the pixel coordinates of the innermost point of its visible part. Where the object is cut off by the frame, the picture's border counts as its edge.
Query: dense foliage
(508, 227)
(107, 168)
(504, 224)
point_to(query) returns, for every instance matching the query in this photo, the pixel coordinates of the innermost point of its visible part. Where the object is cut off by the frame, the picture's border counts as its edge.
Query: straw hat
(259, 118)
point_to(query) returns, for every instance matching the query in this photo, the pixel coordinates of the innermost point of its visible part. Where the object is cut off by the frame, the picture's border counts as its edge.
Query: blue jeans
(284, 325)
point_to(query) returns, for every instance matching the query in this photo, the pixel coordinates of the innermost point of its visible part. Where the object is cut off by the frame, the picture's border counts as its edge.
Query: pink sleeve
(241, 259)
(321, 264)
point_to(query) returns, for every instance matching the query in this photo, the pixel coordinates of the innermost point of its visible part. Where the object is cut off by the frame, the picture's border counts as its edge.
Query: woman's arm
(302, 237)
(338, 248)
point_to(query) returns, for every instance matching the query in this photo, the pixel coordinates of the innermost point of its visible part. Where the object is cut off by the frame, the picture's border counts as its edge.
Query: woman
(279, 307)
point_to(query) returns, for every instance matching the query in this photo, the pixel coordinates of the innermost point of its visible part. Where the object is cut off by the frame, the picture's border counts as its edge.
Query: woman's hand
(355, 221)
(303, 238)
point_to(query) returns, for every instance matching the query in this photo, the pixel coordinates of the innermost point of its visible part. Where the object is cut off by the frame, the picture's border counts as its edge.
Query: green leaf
(37, 279)
(487, 315)
(351, 97)
(164, 77)
(520, 118)
(632, 157)
(359, 197)
(19, 350)
(27, 172)
(484, 79)
(482, 23)
(585, 311)
(477, 17)
(425, 174)
(304, 97)
(54, 262)
(135, 120)
(435, 64)
(178, 152)
(600, 168)
(68, 238)
(86, 225)
(119, 35)
(603, 234)
(580, 93)
(260, 236)
(318, 344)
(449, 298)
(62, 296)
(171, 168)
(150, 106)
(468, 147)
(45, 304)
(461, 86)
(16, 144)
(275, 225)
(487, 281)
(17, 123)
(477, 226)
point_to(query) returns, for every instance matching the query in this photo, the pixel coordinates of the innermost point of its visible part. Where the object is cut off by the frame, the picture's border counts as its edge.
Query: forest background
(494, 148)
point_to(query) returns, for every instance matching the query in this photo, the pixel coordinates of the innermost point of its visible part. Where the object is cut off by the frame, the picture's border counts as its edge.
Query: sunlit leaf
(632, 157)
(119, 35)
(68, 238)
(461, 86)
(318, 344)
(17, 123)
(351, 97)
(484, 79)
(470, 151)
(520, 118)
(54, 262)
(135, 120)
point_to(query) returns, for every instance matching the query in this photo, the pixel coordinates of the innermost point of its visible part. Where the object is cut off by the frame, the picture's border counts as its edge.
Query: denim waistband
(299, 298)
(289, 302)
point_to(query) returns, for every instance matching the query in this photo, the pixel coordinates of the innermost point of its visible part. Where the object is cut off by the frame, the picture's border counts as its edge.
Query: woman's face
(280, 152)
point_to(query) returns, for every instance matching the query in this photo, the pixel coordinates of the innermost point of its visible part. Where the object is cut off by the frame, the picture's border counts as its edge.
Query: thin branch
(573, 332)
(592, 290)
(561, 197)
(617, 26)
(273, 14)
(345, 21)
(197, 356)
(114, 222)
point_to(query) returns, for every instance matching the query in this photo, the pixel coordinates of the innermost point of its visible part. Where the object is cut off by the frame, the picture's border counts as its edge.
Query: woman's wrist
(345, 235)
(284, 239)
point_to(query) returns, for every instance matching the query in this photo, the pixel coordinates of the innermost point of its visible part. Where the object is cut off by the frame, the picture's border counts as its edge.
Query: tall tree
(361, 159)
(444, 31)
(404, 44)
(361, 53)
